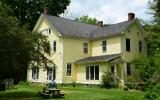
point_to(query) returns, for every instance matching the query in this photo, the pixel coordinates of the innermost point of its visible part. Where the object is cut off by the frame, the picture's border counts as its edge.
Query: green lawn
(24, 92)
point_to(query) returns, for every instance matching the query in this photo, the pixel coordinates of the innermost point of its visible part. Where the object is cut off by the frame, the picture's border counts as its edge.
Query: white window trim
(52, 46)
(46, 31)
(35, 76)
(94, 72)
(103, 46)
(85, 47)
(49, 75)
(71, 70)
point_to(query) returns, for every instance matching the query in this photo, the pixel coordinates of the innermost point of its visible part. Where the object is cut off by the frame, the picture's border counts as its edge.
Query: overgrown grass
(25, 92)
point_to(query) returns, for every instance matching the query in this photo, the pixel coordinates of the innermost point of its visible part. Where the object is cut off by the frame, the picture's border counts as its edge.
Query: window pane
(97, 72)
(127, 44)
(54, 46)
(92, 72)
(85, 47)
(69, 68)
(87, 72)
(49, 74)
(112, 69)
(104, 48)
(128, 69)
(140, 46)
(35, 73)
(54, 74)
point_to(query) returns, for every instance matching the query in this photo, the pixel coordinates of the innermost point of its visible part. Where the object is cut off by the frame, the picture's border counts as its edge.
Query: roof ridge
(70, 20)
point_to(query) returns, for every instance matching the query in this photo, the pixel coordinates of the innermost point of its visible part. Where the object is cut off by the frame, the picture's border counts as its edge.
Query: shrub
(107, 80)
(153, 93)
(23, 83)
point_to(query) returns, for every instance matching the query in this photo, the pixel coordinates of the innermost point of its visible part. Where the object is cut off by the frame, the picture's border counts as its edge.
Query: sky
(109, 11)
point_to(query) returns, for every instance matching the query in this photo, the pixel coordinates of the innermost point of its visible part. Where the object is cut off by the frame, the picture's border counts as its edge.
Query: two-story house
(83, 52)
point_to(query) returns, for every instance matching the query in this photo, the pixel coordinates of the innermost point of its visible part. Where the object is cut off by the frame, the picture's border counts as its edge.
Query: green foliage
(88, 20)
(155, 7)
(17, 47)
(131, 82)
(153, 93)
(146, 67)
(23, 83)
(107, 80)
(28, 11)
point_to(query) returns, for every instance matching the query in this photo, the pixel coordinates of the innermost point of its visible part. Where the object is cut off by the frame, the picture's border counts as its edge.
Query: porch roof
(98, 58)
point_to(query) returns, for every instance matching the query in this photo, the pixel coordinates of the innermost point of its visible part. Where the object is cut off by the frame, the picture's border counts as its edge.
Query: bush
(23, 83)
(153, 93)
(132, 83)
(108, 80)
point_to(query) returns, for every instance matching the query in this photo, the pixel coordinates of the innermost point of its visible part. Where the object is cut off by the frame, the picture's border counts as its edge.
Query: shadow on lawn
(22, 95)
(18, 95)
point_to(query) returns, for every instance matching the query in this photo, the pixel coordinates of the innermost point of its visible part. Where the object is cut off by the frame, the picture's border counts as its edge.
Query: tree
(87, 19)
(150, 66)
(28, 11)
(155, 7)
(19, 48)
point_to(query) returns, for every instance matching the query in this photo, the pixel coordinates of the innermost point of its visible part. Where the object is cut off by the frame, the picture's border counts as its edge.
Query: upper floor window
(140, 46)
(85, 47)
(128, 69)
(69, 69)
(35, 73)
(128, 48)
(92, 72)
(46, 31)
(49, 31)
(53, 46)
(104, 46)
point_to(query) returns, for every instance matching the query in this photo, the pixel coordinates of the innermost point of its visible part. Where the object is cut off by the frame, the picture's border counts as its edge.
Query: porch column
(115, 73)
(122, 73)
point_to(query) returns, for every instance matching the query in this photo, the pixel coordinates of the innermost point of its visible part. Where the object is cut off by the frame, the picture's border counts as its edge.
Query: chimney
(46, 11)
(131, 16)
(100, 23)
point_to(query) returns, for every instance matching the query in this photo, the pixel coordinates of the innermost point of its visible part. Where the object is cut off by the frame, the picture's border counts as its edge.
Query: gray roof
(99, 58)
(81, 30)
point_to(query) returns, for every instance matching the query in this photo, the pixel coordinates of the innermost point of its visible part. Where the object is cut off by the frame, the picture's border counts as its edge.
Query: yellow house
(83, 52)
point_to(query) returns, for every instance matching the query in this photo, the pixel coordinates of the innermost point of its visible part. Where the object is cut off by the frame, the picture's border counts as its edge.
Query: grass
(25, 92)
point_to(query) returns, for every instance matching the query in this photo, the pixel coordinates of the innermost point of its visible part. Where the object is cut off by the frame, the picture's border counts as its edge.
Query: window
(104, 47)
(69, 69)
(53, 46)
(128, 69)
(85, 47)
(140, 46)
(127, 44)
(46, 31)
(112, 69)
(92, 72)
(51, 74)
(35, 73)
(49, 31)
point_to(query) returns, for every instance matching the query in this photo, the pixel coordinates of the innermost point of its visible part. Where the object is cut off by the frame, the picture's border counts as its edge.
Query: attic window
(49, 31)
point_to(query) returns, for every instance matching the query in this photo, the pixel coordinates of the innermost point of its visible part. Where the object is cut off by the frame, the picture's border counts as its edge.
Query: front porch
(90, 70)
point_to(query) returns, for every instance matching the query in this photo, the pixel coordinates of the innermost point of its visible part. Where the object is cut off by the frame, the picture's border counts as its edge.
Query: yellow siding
(73, 51)
(113, 46)
(134, 39)
(57, 56)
